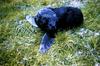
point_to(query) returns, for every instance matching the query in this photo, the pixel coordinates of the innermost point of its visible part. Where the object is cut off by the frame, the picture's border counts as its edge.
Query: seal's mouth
(31, 20)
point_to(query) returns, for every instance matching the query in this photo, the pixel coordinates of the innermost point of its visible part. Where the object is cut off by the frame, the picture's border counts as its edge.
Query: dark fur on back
(69, 17)
(50, 20)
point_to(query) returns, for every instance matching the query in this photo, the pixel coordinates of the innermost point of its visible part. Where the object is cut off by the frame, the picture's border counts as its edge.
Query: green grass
(19, 41)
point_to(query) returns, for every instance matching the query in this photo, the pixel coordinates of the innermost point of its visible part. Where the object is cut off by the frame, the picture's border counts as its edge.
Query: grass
(19, 41)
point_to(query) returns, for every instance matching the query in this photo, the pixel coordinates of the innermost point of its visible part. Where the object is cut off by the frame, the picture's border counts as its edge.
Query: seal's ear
(31, 20)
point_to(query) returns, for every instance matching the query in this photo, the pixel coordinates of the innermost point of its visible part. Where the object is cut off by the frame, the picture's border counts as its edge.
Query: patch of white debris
(77, 3)
(86, 32)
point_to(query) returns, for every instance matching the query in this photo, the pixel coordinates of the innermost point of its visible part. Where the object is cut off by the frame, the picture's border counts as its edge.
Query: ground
(19, 41)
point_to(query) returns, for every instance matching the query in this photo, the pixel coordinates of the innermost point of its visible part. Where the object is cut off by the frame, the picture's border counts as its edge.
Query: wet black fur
(67, 18)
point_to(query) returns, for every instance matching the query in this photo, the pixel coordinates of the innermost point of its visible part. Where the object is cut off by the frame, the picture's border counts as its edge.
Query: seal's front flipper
(46, 43)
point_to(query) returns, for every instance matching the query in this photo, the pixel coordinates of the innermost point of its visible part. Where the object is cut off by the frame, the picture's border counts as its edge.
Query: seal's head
(46, 19)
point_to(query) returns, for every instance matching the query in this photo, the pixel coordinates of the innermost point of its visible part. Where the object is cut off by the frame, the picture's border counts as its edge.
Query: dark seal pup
(50, 20)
